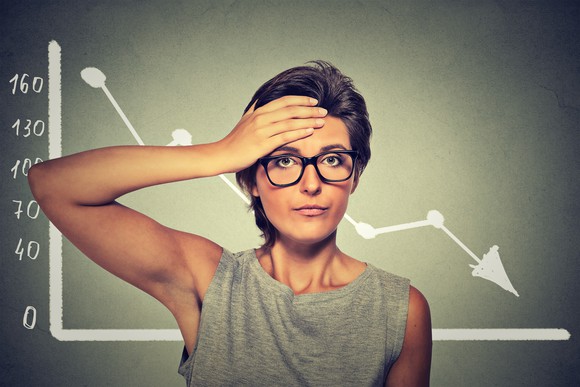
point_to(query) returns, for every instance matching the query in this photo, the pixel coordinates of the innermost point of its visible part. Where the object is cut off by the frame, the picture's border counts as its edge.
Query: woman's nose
(310, 182)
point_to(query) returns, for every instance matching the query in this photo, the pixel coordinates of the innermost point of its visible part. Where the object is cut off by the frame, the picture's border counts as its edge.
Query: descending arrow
(490, 267)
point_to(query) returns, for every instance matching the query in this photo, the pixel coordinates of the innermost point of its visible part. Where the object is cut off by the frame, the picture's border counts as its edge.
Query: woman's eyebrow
(332, 147)
(293, 150)
(289, 149)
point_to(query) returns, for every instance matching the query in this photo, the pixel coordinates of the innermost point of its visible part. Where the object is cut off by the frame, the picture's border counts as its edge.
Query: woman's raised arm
(78, 194)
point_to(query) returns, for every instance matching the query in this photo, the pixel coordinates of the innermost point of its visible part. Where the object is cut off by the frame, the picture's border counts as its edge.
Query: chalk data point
(94, 77)
(366, 230)
(435, 218)
(180, 137)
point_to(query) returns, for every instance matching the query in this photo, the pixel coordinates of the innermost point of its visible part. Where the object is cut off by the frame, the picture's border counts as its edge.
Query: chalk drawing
(490, 269)
(487, 268)
(96, 79)
(29, 319)
(501, 334)
(180, 137)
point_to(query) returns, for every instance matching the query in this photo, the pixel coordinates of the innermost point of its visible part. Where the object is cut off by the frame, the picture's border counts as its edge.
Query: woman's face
(309, 211)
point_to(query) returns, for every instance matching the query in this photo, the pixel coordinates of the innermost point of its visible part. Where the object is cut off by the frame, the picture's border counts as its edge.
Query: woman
(296, 311)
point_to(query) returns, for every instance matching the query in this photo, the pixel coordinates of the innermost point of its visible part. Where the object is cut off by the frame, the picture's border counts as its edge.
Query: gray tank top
(255, 331)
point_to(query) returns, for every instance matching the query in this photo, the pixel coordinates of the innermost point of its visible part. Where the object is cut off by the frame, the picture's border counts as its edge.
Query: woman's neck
(311, 268)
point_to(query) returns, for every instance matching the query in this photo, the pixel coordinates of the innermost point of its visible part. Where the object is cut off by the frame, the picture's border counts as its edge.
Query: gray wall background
(476, 111)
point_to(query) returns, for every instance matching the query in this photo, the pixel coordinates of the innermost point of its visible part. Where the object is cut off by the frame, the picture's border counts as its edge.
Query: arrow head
(491, 268)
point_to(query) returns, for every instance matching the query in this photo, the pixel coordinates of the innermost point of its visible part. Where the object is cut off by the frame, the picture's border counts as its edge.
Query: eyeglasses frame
(263, 161)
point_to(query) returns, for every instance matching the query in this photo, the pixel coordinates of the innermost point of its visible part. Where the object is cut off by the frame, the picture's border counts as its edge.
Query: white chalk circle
(435, 218)
(180, 137)
(94, 77)
(365, 230)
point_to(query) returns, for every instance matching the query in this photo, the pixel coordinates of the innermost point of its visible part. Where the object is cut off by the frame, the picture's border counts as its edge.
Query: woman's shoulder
(414, 362)
(242, 257)
(229, 262)
(390, 280)
(419, 312)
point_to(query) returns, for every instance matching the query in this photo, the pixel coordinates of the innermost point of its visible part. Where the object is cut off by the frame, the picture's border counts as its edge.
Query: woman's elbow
(38, 179)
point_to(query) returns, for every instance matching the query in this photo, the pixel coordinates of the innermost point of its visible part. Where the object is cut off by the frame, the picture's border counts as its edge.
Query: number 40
(32, 250)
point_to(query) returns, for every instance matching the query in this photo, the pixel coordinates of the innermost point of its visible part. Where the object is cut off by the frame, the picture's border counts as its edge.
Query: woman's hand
(262, 130)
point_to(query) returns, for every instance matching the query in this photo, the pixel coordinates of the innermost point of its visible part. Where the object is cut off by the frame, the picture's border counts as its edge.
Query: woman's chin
(307, 239)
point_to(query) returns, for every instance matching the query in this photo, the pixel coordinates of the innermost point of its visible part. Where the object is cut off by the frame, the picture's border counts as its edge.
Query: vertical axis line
(54, 150)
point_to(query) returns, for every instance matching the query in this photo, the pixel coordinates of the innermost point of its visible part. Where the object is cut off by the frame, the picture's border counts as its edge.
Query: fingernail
(322, 111)
(313, 101)
(319, 122)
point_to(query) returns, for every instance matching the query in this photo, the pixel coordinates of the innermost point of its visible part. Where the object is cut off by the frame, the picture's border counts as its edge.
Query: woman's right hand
(261, 131)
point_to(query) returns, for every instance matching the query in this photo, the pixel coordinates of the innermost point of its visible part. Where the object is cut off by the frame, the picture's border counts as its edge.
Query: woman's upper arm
(161, 261)
(413, 366)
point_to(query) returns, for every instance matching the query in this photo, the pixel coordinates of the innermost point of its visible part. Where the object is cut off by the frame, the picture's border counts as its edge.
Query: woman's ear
(254, 191)
(354, 183)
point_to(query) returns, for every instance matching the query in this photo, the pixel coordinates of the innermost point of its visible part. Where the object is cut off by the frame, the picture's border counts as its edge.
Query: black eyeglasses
(287, 169)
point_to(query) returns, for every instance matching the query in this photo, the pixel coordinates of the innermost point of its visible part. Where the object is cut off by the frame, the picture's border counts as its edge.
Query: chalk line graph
(490, 267)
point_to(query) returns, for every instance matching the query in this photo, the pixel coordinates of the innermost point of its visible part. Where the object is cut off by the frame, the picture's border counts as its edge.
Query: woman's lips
(311, 210)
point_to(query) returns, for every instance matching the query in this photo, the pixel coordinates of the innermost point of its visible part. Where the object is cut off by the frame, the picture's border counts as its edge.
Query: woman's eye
(332, 160)
(285, 162)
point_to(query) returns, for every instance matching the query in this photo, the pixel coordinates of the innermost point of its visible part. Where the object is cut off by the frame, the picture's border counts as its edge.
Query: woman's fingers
(288, 107)
(289, 136)
(283, 115)
(293, 125)
(288, 100)
(287, 113)
(287, 119)
(293, 112)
